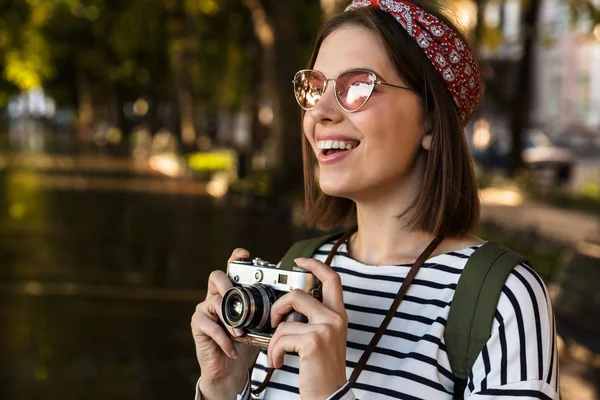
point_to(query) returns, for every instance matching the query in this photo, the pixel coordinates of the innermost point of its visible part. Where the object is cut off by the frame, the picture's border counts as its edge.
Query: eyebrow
(377, 74)
(359, 69)
(355, 69)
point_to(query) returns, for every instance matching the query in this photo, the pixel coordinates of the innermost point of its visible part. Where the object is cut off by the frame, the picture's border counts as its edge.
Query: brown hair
(448, 203)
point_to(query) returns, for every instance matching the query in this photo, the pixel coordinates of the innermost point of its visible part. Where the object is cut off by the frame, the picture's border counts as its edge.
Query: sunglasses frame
(376, 80)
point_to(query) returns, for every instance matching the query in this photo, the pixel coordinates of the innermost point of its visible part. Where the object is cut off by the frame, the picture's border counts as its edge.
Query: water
(100, 270)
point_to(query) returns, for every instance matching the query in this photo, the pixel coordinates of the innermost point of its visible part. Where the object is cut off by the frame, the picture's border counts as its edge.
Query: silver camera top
(250, 272)
(257, 262)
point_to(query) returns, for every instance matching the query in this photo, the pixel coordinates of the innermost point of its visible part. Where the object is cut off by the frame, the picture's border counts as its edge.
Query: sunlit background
(141, 141)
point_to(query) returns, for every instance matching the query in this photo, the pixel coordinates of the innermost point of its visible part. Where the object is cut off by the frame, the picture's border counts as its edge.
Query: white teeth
(335, 144)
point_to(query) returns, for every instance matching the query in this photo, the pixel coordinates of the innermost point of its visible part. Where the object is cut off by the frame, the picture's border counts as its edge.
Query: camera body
(257, 284)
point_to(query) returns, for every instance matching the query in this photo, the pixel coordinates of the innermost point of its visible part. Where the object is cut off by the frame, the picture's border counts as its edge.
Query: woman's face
(386, 133)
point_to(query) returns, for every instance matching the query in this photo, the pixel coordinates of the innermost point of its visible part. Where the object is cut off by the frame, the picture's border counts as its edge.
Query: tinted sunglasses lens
(308, 87)
(354, 89)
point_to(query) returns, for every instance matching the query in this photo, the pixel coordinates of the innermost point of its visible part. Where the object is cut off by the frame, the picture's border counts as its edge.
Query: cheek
(401, 121)
(392, 131)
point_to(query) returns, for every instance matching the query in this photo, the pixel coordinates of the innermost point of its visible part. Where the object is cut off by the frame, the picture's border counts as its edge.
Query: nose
(327, 110)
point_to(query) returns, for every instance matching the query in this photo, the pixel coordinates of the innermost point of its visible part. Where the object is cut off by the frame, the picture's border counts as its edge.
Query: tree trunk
(275, 29)
(184, 47)
(479, 25)
(523, 93)
(85, 110)
(331, 7)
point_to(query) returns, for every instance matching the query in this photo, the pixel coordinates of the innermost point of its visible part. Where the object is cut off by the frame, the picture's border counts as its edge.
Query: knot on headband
(446, 50)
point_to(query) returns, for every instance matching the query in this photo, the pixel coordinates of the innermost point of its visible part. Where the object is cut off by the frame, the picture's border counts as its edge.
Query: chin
(337, 189)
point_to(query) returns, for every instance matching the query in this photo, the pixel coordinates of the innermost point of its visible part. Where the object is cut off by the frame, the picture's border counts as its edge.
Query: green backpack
(473, 306)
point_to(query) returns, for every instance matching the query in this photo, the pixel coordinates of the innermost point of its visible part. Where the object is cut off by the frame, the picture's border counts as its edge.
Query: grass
(544, 255)
(587, 199)
(587, 202)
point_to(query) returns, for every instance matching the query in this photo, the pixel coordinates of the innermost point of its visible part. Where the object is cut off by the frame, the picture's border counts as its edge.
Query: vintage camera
(257, 285)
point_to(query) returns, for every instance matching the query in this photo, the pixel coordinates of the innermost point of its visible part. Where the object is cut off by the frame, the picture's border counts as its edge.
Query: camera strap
(389, 316)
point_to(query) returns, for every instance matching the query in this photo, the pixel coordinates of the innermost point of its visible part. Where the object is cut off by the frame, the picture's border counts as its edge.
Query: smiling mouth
(328, 152)
(341, 148)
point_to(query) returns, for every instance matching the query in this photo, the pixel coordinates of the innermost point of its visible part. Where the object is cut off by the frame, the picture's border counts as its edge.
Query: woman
(390, 86)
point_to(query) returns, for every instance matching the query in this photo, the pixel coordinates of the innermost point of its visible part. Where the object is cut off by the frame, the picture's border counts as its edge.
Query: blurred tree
(276, 27)
(522, 96)
(104, 54)
(183, 49)
(332, 7)
(479, 23)
(516, 102)
(588, 8)
(24, 56)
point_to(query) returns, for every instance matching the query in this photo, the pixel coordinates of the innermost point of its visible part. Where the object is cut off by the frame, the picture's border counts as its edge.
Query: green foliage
(492, 38)
(213, 161)
(105, 53)
(128, 47)
(543, 253)
(24, 55)
(591, 190)
(586, 10)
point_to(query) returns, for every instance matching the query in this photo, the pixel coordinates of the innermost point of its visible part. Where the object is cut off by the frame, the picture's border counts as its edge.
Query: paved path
(580, 367)
(565, 225)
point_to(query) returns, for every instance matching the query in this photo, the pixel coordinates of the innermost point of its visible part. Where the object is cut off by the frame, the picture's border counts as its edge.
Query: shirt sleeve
(245, 395)
(520, 358)
(343, 393)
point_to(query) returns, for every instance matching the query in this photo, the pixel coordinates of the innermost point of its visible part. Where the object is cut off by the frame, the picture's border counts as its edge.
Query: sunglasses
(352, 88)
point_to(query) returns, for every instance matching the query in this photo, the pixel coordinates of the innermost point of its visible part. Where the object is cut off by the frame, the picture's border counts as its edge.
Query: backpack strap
(305, 248)
(474, 306)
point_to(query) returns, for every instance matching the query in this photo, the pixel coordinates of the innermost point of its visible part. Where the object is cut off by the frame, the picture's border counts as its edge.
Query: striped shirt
(411, 362)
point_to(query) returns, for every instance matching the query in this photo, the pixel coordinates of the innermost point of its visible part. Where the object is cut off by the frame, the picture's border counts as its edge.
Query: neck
(385, 240)
(382, 237)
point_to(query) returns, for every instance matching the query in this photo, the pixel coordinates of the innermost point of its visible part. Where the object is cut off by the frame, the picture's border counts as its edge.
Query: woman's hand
(320, 343)
(224, 365)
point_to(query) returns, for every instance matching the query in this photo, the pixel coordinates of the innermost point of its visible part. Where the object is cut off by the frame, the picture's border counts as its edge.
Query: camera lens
(248, 307)
(235, 307)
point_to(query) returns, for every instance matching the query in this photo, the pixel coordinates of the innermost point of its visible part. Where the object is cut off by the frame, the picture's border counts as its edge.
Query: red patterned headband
(445, 49)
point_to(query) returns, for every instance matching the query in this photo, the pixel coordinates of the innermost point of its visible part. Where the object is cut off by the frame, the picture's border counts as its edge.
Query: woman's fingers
(205, 322)
(275, 352)
(285, 344)
(214, 307)
(238, 254)
(218, 284)
(218, 281)
(305, 340)
(333, 297)
(296, 300)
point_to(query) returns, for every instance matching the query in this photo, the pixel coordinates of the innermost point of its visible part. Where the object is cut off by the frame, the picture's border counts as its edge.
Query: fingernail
(238, 332)
(235, 354)
(300, 260)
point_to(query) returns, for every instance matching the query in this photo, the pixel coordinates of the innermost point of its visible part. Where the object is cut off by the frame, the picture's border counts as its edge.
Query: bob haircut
(448, 203)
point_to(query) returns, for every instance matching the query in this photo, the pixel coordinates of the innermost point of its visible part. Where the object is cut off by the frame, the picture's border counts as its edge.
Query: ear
(426, 142)
(427, 135)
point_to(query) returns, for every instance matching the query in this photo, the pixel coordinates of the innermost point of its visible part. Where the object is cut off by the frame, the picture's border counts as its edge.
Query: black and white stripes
(522, 348)
(411, 362)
